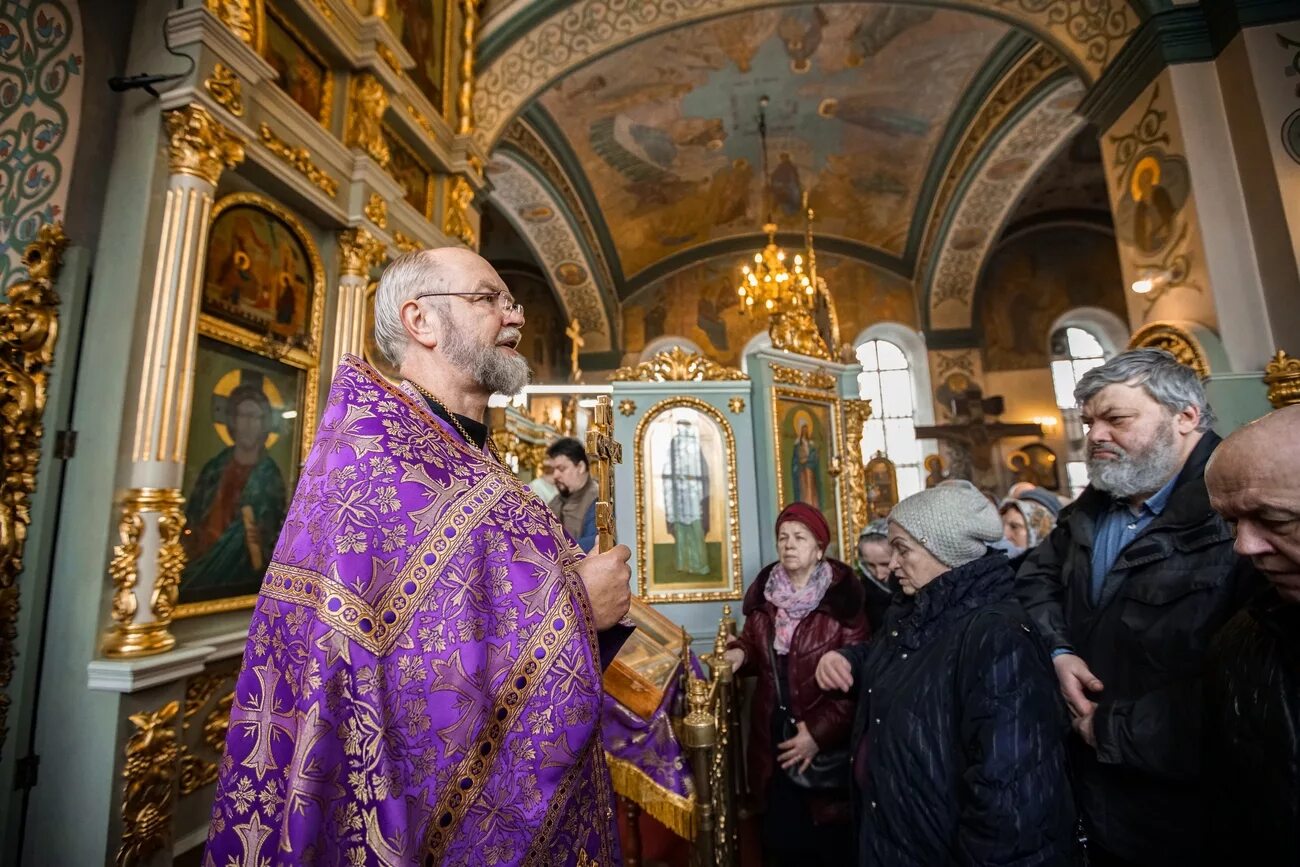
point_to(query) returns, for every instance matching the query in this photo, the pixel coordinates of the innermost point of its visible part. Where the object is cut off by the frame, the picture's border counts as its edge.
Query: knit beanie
(953, 521)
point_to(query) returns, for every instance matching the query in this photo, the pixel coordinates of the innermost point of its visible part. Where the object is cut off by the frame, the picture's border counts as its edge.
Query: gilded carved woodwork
(224, 87)
(804, 378)
(148, 795)
(376, 210)
(1178, 341)
(128, 636)
(29, 327)
(406, 244)
(195, 770)
(465, 94)
(299, 159)
(626, 407)
(359, 252)
(366, 104)
(456, 223)
(199, 145)
(795, 330)
(242, 17)
(736, 405)
(856, 412)
(386, 54)
(678, 365)
(1282, 376)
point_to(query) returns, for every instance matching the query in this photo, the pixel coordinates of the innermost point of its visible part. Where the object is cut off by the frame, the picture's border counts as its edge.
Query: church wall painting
(304, 74)
(411, 172)
(248, 432)
(859, 97)
(1034, 278)
(700, 303)
(421, 27)
(806, 438)
(688, 530)
(262, 274)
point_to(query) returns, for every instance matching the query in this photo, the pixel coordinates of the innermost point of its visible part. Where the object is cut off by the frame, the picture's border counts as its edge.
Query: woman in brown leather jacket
(797, 609)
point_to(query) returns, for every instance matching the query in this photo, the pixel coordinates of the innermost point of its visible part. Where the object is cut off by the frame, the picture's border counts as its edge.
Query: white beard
(1139, 472)
(497, 372)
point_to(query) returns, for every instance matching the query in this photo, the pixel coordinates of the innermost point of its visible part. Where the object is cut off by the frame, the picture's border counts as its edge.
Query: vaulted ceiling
(639, 134)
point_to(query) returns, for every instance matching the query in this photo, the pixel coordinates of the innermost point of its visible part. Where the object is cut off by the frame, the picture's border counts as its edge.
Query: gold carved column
(359, 253)
(468, 44)
(148, 561)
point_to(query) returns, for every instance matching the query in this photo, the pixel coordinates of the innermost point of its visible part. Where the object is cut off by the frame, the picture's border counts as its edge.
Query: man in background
(1127, 591)
(1252, 688)
(544, 485)
(575, 504)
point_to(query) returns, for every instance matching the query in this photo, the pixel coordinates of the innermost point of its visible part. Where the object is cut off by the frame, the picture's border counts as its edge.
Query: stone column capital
(199, 145)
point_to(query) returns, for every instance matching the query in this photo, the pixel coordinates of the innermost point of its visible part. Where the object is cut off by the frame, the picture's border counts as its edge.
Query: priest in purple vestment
(422, 680)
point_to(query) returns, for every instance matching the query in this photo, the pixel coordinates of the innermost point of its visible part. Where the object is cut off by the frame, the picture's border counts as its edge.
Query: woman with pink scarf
(798, 608)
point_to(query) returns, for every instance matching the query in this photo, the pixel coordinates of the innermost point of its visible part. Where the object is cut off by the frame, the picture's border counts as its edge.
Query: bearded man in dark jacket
(1253, 680)
(1127, 591)
(958, 750)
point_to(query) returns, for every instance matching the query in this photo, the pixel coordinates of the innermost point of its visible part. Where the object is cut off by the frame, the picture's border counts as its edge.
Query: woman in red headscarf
(797, 609)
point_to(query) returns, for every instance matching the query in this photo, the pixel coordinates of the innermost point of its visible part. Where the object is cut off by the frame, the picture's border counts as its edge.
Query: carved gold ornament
(149, 794)
(856, 413)
(376, 210)
(299, 159)
(1282, 376)
(130, 637)
(29, 327)
(805, 378)
(225, 89)
(406, 244)
(241, 18)
(465, 95)
(678, 365)
(626, 407)
(365, 115)
(420, 118)
(795, 330)
(736, 405)
(196, 771)
(386, 54)
(1176, 340)
(359, 252)
(199, 145)
(456, 223)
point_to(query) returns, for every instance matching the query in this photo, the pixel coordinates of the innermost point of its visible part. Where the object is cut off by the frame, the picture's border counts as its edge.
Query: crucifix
(971, 432)
(574, 333)
(603, 451)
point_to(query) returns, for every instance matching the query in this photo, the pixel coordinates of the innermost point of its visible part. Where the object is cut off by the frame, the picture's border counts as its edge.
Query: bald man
(422, 680)
(1253, 680)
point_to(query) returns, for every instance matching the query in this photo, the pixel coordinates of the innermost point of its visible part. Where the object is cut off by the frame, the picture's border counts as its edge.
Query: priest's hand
(834, 671)
(607, 578)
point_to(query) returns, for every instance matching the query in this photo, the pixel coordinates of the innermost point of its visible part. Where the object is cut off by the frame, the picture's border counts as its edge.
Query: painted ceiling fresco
(699, 303)
(666, 132)
(1073, 181)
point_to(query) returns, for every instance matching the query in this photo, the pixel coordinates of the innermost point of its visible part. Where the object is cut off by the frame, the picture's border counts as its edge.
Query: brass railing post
(699, 737)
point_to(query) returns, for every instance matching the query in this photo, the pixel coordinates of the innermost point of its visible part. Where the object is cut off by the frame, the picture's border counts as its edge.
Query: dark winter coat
(964, 729)
(836, 622)
(1252, 693)
(1170, 590)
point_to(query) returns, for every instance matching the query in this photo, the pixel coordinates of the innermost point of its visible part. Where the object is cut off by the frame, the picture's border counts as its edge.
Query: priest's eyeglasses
(504, 300)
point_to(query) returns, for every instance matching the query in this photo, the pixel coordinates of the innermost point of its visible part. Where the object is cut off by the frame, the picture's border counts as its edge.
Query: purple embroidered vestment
(422, 683)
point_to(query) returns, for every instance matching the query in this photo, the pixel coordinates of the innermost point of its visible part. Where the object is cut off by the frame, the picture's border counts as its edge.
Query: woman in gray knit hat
(959, 737)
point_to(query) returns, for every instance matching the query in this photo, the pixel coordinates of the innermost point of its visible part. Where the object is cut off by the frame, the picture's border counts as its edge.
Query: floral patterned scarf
(794, 604)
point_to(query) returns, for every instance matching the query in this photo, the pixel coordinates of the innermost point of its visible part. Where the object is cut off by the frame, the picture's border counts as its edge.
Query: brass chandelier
(770, 285)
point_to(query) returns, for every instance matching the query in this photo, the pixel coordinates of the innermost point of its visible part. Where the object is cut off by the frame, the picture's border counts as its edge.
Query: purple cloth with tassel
(422, 680)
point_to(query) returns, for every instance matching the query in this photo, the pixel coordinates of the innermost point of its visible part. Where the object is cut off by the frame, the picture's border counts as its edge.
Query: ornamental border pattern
(1090, 32)
(516, 191)
(988, 200)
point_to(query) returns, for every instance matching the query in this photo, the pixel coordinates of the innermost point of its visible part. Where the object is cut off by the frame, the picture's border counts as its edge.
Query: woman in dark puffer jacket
(959, 737)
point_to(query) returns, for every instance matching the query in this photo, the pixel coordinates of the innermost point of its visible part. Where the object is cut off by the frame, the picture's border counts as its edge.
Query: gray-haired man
(1128, 590)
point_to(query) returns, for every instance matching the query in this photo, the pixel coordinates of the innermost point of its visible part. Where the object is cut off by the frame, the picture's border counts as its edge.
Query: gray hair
(406, 277)
(1173, 385)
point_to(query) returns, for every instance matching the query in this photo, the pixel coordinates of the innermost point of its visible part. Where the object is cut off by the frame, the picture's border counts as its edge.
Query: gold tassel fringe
(674, 811)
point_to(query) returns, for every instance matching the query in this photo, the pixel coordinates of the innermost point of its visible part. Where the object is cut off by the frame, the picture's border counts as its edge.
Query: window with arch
(1075, 351)
(887, 381)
